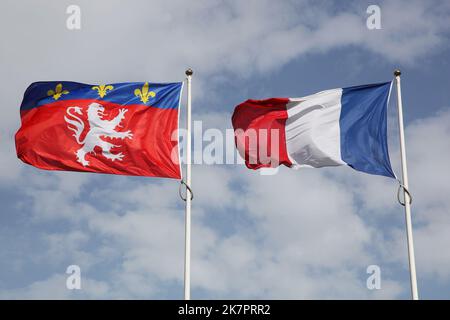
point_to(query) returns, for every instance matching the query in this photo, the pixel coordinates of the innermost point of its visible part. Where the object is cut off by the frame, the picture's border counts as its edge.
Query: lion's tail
(74, 123)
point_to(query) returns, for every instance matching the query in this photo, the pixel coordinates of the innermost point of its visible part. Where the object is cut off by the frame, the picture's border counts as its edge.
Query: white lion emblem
(97, 128)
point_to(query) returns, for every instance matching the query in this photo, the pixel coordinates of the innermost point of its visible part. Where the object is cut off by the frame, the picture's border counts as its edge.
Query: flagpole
(406, 195)
(187, 243)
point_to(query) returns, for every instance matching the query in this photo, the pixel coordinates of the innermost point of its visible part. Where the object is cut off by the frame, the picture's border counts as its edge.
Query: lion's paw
(122, 112)
(127, 134)
(118, 156)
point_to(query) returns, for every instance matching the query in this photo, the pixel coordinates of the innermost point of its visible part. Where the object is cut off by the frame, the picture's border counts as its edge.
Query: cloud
(55, 288)
(158, 41)
(276, 238)
(428, 154)
(306, 234)
(410, 29)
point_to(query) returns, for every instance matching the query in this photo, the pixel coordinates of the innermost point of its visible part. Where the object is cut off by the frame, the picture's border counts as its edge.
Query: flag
(345, 126)
(122, 128)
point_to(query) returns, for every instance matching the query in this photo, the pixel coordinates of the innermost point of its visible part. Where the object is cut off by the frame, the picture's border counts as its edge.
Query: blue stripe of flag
(167, 95)
(363, 128)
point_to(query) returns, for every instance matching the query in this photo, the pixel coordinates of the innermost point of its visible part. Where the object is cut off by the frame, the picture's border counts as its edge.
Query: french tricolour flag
(345, 126)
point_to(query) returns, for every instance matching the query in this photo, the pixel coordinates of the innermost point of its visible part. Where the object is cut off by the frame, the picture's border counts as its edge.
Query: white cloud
(162, 38)
(292, 235)
(54, 287)
(303, 234)
(428, 155)
(265, 244)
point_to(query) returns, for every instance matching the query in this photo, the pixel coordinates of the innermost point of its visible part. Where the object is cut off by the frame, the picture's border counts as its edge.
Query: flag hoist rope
(406, 195)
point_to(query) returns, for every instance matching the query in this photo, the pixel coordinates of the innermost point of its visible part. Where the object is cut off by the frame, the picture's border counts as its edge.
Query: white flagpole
(187, 243)
(407, 199)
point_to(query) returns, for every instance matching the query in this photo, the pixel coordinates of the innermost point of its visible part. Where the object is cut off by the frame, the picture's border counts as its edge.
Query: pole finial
(189, 72)
(397, 72)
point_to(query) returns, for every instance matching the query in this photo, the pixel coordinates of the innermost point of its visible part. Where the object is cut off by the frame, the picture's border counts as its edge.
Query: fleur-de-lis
(58, 92)
(143, 93)
(102, 89)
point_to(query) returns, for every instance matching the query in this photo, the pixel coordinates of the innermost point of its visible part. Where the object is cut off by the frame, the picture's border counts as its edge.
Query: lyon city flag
(344, 126)
(119, 128)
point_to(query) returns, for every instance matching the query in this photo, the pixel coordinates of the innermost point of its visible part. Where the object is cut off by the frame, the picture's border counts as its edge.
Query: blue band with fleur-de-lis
(158, 95)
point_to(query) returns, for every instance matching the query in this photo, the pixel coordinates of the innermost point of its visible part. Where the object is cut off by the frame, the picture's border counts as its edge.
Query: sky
(306, 234)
